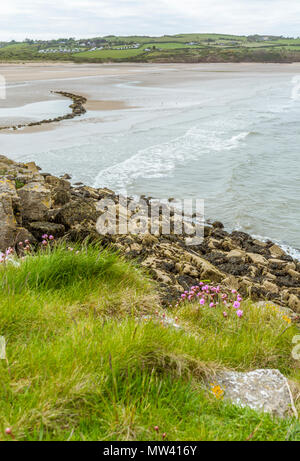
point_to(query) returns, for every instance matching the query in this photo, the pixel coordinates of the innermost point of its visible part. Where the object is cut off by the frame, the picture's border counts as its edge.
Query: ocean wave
(295, 93)
(290, 250)
(160, 160)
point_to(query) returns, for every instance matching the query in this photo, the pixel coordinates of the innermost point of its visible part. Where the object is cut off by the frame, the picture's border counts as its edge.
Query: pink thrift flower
(239, 313)
(202, 301)
(212, 305)
(236, 304)
(51, 237)
(45, 236)
(233, 291)
(225, 314)
(44, 242)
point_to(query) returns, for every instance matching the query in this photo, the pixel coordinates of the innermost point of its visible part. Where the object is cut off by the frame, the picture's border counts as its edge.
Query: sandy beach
(29, 83)
(168, 130)
(41, 78)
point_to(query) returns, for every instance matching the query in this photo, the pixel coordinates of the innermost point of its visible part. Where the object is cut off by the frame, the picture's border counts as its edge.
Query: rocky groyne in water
(33, 203)
(77, 107)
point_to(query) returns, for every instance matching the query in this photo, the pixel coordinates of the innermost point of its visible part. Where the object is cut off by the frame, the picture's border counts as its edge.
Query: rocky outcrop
(77, 107)
(262, 390)
(34, 203)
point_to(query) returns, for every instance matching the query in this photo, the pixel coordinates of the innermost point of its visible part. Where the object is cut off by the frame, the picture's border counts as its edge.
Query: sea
(228, 137)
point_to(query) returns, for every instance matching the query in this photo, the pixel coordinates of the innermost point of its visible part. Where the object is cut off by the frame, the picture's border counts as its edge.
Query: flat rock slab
(262, 390)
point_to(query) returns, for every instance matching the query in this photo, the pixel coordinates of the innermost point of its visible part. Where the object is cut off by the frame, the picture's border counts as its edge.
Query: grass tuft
(83, 364)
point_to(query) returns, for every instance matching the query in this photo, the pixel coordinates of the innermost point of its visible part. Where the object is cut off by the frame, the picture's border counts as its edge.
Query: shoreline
(160, 80)
(35, 203)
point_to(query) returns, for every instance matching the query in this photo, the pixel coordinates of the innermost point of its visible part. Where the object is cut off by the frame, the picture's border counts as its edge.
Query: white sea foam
(159, 160)
(295, 94)
(293, 252)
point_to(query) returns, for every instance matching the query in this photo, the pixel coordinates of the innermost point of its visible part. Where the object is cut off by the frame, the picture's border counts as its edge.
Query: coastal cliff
(94, 349)
(33, 203)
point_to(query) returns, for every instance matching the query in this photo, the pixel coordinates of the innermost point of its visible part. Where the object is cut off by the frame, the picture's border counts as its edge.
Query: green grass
(168, 46)
(82, 364)
(18, 51)
(256, 340)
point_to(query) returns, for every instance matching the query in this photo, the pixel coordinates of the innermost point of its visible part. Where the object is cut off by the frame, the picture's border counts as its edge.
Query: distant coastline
(185, 48)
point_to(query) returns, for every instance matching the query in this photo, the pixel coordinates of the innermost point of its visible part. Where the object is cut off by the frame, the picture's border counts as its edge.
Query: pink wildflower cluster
(5, 256)
(213, 296)
(10, 252)
(24, 245)
(46, 239)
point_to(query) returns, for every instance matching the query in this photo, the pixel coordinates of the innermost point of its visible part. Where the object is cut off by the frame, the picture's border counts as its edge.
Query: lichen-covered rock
(294, 303)
(35, 201)
(7, 222)
(39, 228)
(262, 390)
(77, 212)
(270, 287)
(276, 251)
(256, 258)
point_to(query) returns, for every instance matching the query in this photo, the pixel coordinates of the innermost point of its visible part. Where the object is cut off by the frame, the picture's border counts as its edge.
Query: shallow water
(35, 111)
(233, 142)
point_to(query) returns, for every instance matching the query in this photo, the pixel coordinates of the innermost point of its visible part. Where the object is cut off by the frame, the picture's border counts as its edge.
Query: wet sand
(105, 105)
(29, 83)
(31, 129)
(14, 72)
(105, 85)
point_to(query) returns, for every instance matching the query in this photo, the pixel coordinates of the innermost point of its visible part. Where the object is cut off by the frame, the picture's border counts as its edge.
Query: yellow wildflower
(217, 390)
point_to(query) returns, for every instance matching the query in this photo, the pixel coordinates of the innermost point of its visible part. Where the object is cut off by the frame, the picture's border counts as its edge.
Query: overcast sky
(87, 18)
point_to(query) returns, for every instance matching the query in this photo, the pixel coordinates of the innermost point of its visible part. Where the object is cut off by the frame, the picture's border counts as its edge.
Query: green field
(172, 48)
(109, 54)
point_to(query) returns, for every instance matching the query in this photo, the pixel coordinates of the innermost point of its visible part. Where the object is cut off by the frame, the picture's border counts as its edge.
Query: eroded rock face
(7, 222)
(262, 390)
(33, 203)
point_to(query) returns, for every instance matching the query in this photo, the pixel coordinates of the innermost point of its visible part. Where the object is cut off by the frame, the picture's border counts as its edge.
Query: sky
(45, 19)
